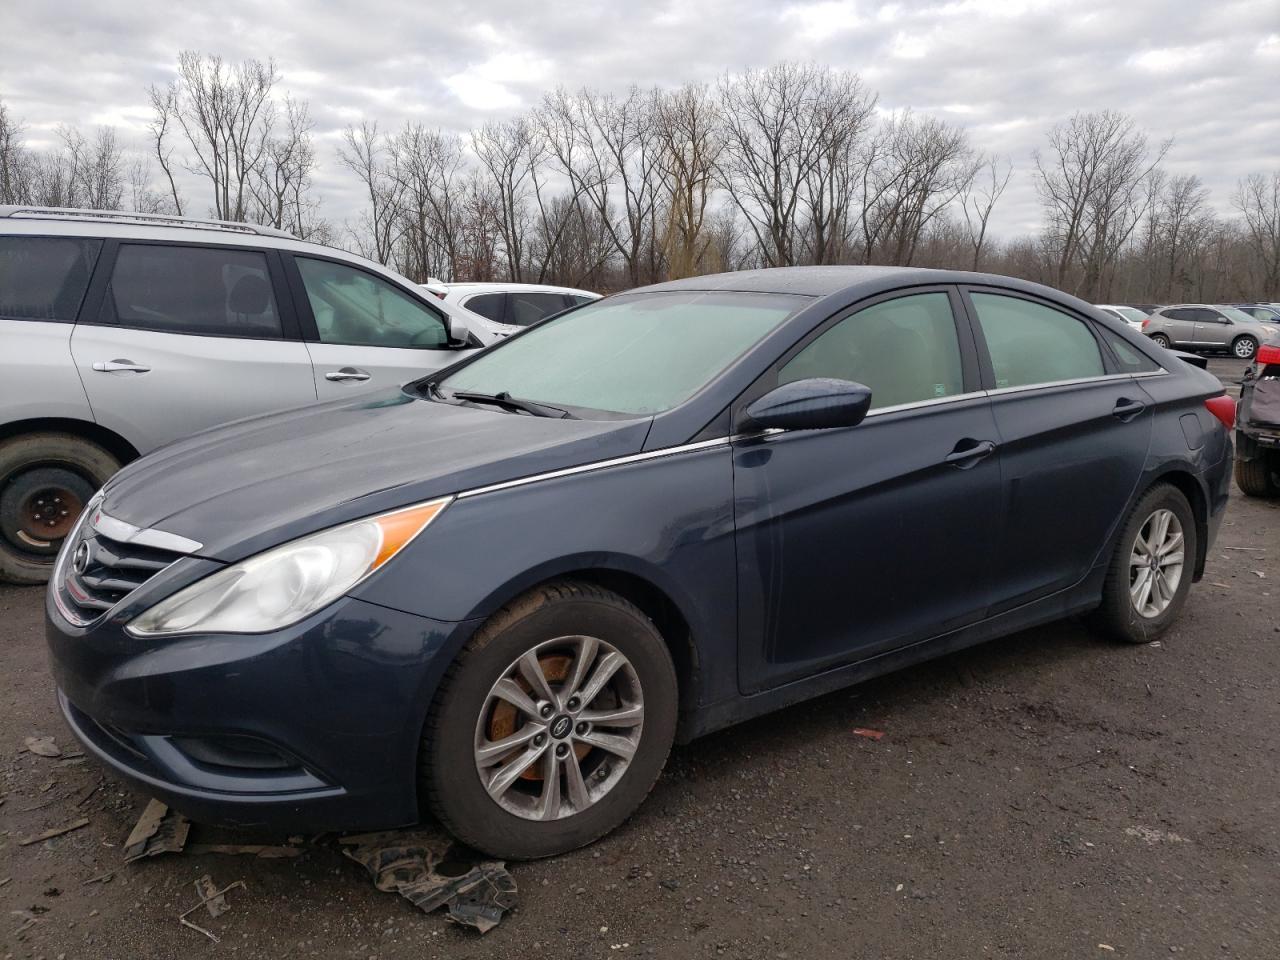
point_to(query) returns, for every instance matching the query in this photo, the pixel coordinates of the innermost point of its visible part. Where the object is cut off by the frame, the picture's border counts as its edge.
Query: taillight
(1145, 322)
(1268, 354)
(1224, 408)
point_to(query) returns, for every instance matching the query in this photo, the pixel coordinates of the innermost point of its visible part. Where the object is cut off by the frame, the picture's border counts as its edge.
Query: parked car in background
(1258, 425)
(1265, 312)
(1130, 315)
(121, 332)
(492, 311)
(1203, 326)
(514, 583)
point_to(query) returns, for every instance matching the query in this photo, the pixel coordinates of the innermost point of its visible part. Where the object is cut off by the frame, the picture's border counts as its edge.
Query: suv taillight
(1224, 408)
(1145, 322)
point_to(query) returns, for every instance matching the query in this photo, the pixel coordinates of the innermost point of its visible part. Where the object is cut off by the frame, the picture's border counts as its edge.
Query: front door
(1212, 329)
(1073, 435)
(853, 542)
(365, 332)
(187, 337)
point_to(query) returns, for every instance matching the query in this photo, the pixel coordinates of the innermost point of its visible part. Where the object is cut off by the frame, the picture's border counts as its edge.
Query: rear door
(1074, 428)
(364, 332)
(182, 337)
(1212, 328)
(1180, 325)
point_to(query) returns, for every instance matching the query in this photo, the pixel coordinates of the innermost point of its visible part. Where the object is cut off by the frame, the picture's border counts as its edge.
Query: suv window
(1131, 359)
(488, 305)
(526, 308)
(44, 278)
(1030, 343)
(356, 308)
(212, 291)
(905, 350)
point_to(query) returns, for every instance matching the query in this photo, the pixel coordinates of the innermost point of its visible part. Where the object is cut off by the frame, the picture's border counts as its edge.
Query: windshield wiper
(507, 401)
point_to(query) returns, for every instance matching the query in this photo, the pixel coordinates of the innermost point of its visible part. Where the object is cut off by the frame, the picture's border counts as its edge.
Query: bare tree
(690, 139)
(364, 152)
(507, 152)
(980, 199)
(164, 109)
(94, 168)
(428, 166)
(280, 184)
(1257, 197)
(14, 163)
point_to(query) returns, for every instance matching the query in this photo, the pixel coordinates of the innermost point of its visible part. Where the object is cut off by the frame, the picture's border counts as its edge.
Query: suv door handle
(346, 374)
(1126, 409)
(968, 455)
(115, 366)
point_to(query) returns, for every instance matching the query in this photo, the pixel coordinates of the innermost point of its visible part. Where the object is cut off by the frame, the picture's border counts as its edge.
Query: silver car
(122, 332)
(1203, 326)
(1130, 315)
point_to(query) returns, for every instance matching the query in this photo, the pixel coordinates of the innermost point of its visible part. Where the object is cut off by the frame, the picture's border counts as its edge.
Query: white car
(1130, 315)
(492, 311)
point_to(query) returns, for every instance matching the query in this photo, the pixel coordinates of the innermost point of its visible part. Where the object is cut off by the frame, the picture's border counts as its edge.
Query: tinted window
(1030, 343)
(904, 350)
(44, 278)
(1130, 358)
(1239, 316)
(632, 354)
(577, 299)
(197, 290)
(526, 308)
(488, 305)
(355, 307)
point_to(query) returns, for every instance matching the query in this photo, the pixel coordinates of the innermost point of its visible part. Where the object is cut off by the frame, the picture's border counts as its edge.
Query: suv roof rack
(145, 219)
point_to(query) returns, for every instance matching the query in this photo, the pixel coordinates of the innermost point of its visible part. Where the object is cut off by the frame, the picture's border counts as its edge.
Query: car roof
(511, 288)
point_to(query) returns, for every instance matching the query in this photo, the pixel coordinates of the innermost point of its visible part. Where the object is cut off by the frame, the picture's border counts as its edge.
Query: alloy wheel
(559, 728)
(1155, 563)
(1244, 348)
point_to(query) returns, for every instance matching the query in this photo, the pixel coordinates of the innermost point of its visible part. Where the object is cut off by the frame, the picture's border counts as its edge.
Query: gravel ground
(1046, 795)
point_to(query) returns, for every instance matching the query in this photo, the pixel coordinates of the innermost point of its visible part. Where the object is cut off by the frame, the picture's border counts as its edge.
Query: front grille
(98, 571)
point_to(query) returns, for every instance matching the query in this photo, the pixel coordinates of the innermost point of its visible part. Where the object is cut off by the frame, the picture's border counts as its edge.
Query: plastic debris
(158, 830)
(214, 901)
(43, 746)
(430, 871)
(207, 898)
(55, 832)
(868, 733)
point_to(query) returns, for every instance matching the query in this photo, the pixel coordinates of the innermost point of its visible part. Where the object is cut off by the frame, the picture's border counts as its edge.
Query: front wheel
(1244, 347)
(1150, 573)
(1162, 340)
(552, 725)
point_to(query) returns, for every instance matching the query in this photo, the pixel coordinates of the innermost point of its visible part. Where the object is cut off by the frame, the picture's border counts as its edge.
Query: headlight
(287, 583)
(1271, 331)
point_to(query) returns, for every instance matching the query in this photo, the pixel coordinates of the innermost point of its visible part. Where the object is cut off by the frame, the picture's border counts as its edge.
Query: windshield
(1239, 316)
(632, 354)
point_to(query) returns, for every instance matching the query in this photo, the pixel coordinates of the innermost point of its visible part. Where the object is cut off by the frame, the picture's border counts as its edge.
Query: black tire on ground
(1243, 348)
(53, 475)
(1260, 477)
(1117, 617)
(449, 781)
(1161, 340)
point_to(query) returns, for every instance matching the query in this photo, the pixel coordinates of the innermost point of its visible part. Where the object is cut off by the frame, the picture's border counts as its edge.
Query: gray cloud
(1204, 74)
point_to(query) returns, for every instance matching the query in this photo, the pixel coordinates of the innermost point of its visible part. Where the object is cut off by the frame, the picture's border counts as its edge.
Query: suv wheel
(1260, 477)
(1151, 570)
(1244, 347)
(1162, 340)
(45, 481)
(552, 725)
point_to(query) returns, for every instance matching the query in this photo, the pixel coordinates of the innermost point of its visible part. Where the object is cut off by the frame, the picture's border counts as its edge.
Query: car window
(577, 299)
(1130, 358)
(1131, 313)
(488, 305)
(195, 290)
(1239, 316)
(44, 278)
(354, 307)
(905, 350)
(1178, 313)
(526, 308)
(634, 354)
(1030, 343)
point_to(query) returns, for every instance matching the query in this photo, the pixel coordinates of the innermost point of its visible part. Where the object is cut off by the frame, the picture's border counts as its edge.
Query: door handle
(962, 458)
(1126, 409)
(346, 374)
(115, 366)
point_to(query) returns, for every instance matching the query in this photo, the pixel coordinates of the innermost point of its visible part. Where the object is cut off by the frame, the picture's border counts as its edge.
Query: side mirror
(815, 404)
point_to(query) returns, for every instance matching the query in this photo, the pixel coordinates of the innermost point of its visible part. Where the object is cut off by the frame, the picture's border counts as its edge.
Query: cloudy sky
(1207, 74)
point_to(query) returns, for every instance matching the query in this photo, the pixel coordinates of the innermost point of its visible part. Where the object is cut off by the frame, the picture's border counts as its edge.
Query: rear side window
(526, 308)
(354, 307)
(44, 278)
(206, 291)
(488, 305)
(1130, 358)
(905, 350)
(1030, 343)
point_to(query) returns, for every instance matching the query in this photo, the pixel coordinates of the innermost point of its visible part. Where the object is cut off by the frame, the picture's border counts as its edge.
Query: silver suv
(1203, 326)
(121, 332)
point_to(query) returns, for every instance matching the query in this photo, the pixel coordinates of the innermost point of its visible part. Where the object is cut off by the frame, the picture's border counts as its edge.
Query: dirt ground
(1046, 795)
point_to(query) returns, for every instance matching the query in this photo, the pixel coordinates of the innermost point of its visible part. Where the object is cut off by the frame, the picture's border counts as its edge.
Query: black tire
(1117, 616)
(449, 781)
(1161, 340)
(1259, 477)
(1244, 348)
(52, 475)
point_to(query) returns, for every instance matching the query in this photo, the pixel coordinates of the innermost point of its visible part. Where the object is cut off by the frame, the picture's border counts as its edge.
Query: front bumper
(315, 727)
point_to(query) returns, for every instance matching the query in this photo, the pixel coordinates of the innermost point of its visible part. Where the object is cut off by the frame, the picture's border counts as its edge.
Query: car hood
(249, 485)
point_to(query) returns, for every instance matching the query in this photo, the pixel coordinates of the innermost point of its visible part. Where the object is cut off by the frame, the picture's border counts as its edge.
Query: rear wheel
(552, 725)
(45, 481)
(1244, 347)
(1162, 340)
(1259, 477)
(1150, 573)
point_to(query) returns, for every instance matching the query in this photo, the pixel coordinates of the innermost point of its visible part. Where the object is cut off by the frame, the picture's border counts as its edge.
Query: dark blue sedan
(499, 594)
